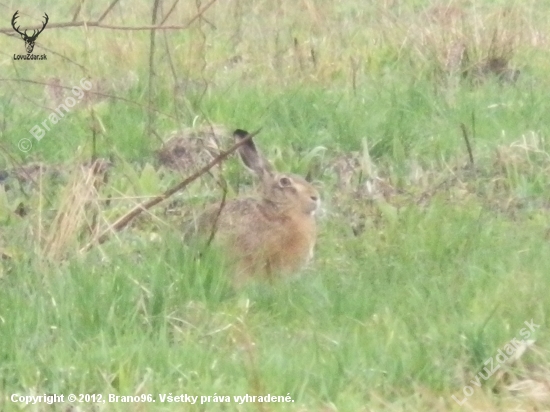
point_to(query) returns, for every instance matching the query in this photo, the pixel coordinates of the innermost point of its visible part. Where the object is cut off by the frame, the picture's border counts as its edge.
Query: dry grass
(77, 212)
(471, 43)
(367, 192)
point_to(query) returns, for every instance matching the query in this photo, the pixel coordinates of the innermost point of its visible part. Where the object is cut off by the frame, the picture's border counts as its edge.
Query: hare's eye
(285, 182)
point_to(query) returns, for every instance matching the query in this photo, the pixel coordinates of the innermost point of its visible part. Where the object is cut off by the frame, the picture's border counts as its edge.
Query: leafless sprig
(123, 221)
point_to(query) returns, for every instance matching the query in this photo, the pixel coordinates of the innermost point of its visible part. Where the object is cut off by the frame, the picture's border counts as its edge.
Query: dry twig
(123, 221)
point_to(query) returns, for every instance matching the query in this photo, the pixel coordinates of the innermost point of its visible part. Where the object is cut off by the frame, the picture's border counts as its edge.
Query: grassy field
(429, 287)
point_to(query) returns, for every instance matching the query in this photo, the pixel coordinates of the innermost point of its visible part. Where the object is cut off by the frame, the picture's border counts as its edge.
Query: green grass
(411, 290)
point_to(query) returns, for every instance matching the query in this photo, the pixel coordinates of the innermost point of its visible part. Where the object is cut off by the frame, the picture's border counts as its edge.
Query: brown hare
(271, 235)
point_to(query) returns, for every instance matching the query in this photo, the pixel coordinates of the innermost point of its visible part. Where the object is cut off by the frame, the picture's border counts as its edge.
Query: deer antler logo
(29, 40)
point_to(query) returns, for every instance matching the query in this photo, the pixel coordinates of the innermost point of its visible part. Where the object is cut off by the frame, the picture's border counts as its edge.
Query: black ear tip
(240, 133)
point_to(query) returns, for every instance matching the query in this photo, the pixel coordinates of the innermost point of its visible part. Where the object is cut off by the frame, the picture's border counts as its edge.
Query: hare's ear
(251, 157)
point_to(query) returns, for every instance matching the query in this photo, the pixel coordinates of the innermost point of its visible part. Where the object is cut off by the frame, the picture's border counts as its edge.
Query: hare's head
(283, 190)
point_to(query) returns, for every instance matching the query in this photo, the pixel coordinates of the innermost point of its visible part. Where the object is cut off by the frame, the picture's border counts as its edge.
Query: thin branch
(214, 229)
(77, 11)
(203, 60)
(62, 56)
(112, 27)
(467, 140)
(175, 76)
(90, 92)
(152, 34)
(123, 221)
(473, 124)
(104, 26)
(46, 49)
(107, 11)
(169, 12)
(218, 213)
(201, 12)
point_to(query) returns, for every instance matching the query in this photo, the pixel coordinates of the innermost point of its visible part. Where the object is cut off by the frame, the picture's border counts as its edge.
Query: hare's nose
(314, 198)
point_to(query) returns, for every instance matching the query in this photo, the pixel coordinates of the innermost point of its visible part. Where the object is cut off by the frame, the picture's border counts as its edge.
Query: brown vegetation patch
(190, 149)
(512, 180)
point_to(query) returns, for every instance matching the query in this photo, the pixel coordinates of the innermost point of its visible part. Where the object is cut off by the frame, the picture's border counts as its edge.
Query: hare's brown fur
(271, 235)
